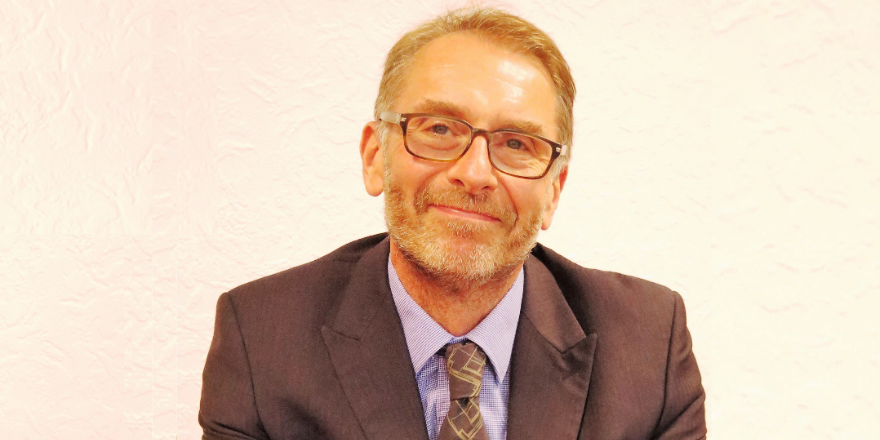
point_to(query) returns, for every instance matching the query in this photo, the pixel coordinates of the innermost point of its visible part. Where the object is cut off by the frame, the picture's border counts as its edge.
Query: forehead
(488, 83)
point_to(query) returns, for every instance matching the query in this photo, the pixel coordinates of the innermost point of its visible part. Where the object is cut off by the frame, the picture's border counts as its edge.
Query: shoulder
(603, 300)
(309, 289)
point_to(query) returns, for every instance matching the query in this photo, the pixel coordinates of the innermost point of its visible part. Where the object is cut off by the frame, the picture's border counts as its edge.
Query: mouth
(463, 213)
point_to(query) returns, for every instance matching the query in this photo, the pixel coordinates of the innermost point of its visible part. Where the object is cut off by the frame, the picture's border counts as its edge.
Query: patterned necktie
(465, 363)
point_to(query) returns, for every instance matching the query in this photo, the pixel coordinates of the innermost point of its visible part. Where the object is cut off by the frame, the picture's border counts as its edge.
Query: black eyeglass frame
(403, 118)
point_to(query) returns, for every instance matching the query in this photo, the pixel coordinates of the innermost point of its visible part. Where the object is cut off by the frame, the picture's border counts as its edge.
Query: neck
(457, 307)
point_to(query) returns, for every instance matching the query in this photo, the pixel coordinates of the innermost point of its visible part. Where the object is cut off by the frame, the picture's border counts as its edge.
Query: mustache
(458, 199)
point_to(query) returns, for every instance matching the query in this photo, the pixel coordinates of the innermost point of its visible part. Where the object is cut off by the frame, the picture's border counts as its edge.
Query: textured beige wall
(154, 154)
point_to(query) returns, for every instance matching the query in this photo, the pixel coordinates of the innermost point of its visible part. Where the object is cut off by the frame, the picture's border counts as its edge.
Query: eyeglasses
(446, 139)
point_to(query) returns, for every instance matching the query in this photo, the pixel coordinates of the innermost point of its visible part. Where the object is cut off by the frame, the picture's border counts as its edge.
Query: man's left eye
(515, 144)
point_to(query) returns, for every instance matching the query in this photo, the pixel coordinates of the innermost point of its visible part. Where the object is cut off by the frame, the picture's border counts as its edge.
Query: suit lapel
(551, 365)
(368, 350)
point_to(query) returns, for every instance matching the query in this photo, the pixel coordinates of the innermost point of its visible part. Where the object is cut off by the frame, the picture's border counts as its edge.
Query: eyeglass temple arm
(391, 117)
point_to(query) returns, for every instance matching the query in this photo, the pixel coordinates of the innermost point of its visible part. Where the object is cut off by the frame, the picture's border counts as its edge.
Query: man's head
(472, 218)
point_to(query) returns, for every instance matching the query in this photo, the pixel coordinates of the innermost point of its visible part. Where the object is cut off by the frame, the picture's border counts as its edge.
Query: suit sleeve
(228, 408)
(684, 415)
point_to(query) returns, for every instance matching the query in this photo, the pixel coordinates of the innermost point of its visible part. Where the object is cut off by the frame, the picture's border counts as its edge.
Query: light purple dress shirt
(424, 337)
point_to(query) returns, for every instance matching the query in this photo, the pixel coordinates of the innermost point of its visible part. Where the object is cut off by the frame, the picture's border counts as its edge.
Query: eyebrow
(446, 108)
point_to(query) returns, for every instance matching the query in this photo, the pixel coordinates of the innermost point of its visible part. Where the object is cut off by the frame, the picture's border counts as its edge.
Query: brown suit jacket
(318, 352)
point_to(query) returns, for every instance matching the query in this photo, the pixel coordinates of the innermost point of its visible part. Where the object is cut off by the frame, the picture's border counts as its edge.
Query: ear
(553, 197)
(371, 160)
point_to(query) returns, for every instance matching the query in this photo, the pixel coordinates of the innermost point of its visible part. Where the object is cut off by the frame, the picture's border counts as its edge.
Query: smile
(463, 214)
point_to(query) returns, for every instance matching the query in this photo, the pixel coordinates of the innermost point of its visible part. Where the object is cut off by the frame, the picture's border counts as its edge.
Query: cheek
(408, 175)
(530, 200)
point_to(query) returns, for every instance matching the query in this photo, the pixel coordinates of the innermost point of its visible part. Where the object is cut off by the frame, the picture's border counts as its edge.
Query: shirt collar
(424, 336)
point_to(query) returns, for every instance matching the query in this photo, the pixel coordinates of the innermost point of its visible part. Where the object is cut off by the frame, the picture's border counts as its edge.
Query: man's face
(464, 221)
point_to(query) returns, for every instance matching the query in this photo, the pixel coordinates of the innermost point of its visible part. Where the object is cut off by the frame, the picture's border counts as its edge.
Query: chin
(461, 254)
(452, 264)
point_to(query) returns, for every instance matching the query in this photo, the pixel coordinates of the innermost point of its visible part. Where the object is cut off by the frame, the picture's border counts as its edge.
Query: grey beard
(484, 263)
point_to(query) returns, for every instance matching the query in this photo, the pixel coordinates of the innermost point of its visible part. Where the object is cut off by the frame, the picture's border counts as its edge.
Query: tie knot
(465, 362)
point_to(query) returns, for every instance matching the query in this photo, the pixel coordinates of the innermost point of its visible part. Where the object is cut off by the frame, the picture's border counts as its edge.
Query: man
(456, 325)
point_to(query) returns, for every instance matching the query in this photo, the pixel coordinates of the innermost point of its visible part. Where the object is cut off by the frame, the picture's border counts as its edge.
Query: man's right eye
(440, 129)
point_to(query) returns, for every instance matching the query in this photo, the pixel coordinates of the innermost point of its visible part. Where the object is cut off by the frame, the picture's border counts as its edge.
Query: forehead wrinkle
(446, 108)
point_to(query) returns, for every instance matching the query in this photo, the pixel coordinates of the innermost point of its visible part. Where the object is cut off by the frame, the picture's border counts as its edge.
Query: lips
(461, 204)
(466, 213)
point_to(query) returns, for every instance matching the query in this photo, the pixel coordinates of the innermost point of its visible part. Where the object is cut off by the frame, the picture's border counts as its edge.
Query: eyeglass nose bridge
(476, 132)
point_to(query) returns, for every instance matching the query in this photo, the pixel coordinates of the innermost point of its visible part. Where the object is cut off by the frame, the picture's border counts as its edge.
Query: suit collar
(552, 363)
(368, 351)
(547, 309)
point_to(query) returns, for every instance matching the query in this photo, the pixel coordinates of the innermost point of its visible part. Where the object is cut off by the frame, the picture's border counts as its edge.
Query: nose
(473, 171)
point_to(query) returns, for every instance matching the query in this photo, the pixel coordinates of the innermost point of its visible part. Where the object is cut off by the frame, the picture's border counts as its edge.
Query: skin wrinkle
(446, 108)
